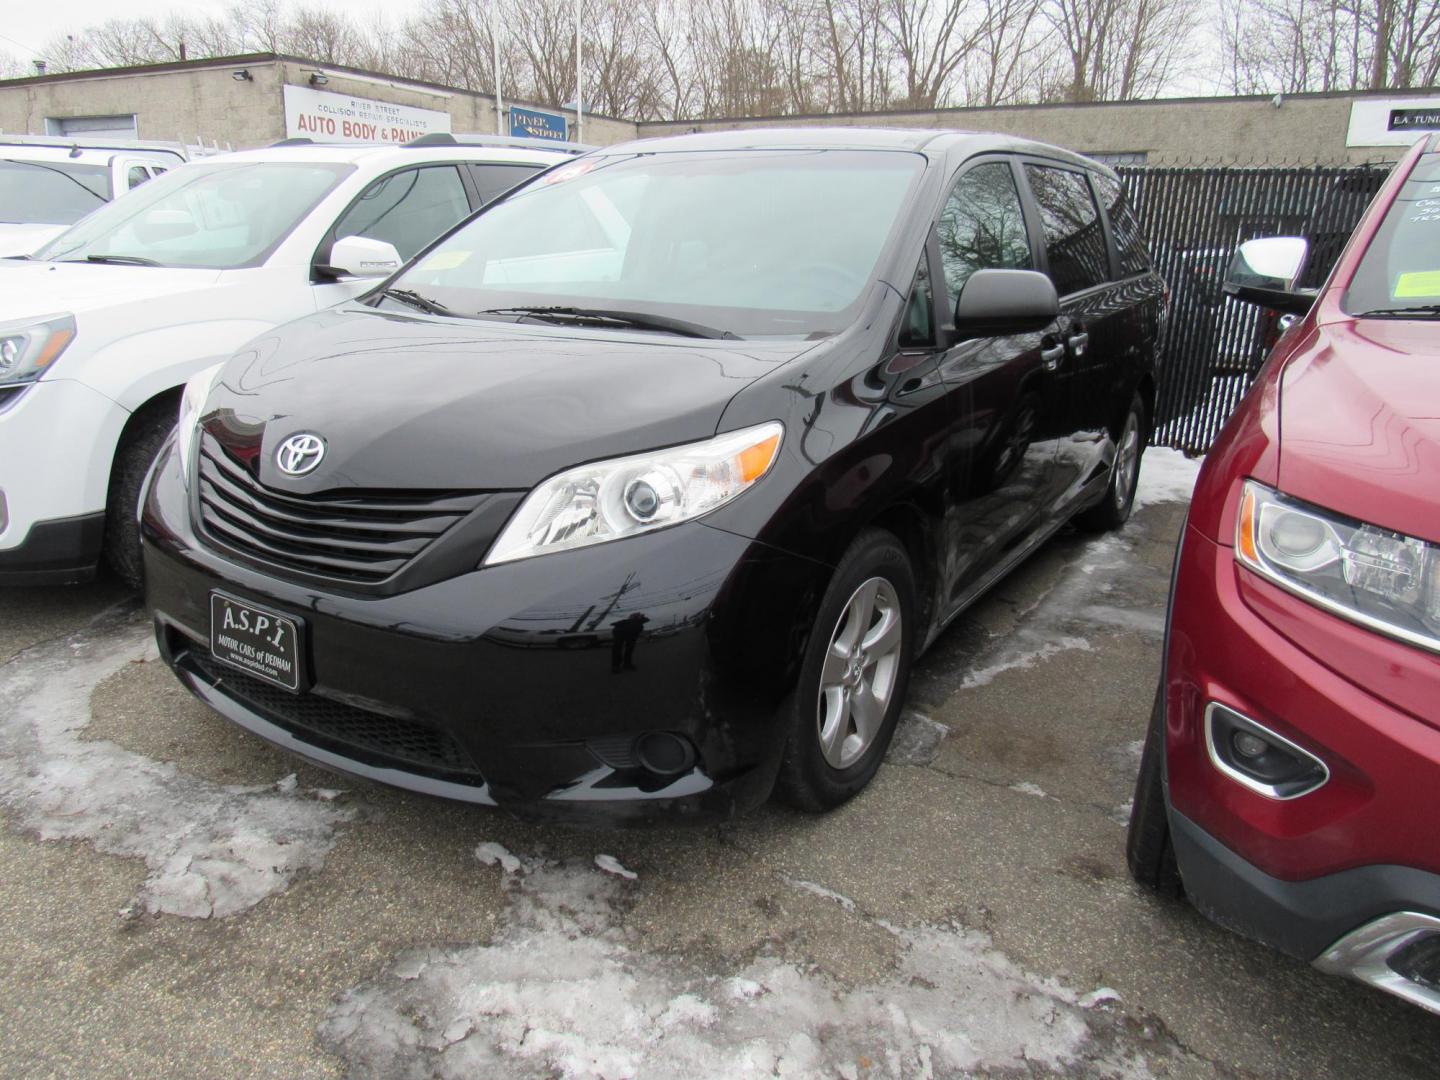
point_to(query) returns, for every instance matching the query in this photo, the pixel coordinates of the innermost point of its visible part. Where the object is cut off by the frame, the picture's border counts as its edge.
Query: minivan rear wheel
(1114, 510)
(853, 678)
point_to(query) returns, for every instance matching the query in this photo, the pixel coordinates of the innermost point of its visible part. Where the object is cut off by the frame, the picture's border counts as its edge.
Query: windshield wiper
(1415, 309)
(416, 300)
(118, 260)
(636, 319)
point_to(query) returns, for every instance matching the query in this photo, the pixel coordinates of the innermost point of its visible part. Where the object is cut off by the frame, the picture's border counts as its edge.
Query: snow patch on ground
(1025, 787)
(1021, 659)
(916, 740)
(611, 865)
(563, 990)
(1166, 475)
(493, 854)
(822, 892)
(211, 849)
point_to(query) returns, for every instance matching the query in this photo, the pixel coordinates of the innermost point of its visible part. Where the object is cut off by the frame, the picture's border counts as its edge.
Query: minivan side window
(982, 226)
(1129, 240)
(408, 209)
(1074, 238)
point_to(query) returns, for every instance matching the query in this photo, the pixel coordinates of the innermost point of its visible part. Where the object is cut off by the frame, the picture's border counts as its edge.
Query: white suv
(49, 183)
(101, 328)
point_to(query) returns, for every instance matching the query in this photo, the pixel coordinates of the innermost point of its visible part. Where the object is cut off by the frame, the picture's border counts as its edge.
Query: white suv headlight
(197, 391)
(1380, 579)
(609, 500)
(27, 348)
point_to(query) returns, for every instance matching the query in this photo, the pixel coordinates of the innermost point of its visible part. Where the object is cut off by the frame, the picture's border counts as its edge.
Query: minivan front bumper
(511, 685)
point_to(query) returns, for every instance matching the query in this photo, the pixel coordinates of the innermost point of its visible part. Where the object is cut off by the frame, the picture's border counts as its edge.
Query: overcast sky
(26, 25)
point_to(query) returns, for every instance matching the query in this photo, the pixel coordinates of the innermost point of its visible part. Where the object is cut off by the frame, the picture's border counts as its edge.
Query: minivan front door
(1003, 460)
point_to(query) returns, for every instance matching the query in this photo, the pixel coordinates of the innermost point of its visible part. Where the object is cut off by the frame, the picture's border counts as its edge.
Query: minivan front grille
(360, 536)
(333, 725)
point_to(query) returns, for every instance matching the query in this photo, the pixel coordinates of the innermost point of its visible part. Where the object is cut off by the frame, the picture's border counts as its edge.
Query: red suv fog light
(1256, 757)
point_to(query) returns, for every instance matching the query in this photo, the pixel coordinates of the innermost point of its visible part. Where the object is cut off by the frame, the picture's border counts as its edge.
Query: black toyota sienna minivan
(638, 494)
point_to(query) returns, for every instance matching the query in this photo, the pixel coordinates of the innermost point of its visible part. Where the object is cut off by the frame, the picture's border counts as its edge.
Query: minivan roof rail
(298, 140)
(80, 142)
(445, 138)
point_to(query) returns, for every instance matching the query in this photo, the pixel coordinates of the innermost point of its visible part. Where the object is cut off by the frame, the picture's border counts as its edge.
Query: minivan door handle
(1052, 356)
(1078, 342)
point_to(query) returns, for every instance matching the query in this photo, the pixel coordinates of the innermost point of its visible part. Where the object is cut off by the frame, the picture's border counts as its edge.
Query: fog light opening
(664, 753)
(1257, 758)
(1419, 961)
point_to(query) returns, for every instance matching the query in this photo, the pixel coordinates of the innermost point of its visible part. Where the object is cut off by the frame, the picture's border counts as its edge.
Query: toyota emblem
(299, 454)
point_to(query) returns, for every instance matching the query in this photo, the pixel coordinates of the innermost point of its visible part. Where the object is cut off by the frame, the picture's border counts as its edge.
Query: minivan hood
(32, 289)
(429, 403)
(1360, 422)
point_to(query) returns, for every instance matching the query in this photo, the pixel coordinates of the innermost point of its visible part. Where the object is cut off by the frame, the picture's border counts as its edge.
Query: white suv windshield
(750, 243)
(220, 215)
(50, 192)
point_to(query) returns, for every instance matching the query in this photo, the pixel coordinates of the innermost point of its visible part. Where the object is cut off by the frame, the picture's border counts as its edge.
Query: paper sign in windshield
(1417, 284)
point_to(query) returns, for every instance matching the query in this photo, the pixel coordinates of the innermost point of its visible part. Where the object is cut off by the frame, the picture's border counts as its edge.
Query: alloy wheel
(858, 677)
(1127, 462)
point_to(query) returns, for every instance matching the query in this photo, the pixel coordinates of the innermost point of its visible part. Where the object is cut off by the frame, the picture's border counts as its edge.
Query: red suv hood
(1360, 422)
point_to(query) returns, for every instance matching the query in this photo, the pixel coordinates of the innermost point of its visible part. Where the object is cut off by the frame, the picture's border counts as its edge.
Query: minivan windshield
(747, 243)
(220, 215)
(1399, 274)
(50, 192)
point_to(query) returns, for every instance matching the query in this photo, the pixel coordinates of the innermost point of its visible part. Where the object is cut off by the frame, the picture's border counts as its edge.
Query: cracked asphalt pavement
(178, 898)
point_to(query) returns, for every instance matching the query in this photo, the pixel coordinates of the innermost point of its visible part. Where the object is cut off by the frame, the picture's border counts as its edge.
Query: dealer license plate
(258, 641)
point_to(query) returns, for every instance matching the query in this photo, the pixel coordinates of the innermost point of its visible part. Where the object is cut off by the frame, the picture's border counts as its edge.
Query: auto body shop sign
(342, 118)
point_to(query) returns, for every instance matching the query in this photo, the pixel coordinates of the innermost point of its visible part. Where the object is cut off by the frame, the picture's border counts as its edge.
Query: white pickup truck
(47, 183)
(101, 328)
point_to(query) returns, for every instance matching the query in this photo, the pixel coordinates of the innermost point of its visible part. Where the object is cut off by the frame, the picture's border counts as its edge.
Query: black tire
(1114, 510)
(1148, 848)
(806, 779)
(137, 452)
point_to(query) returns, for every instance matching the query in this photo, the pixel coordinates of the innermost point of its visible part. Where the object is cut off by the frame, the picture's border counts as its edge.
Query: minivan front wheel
(853, 678)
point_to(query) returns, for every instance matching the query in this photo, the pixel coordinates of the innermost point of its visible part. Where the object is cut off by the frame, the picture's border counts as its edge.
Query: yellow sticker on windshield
(444, 260)
(1417, 283)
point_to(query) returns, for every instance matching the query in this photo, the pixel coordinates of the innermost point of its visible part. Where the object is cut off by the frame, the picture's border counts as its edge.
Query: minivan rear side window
(982, 226)
(1074, 238)
(1129, 240)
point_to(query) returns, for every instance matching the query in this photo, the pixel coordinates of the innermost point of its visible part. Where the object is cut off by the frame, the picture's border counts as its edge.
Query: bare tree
(1290, 46)
(1115, 50)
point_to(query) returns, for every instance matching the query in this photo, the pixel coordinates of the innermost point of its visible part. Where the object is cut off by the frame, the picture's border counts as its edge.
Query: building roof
(257, 59)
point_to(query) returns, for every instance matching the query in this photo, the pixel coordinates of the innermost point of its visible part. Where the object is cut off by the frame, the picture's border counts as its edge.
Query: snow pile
(1166, 475)
(916, 740)
(562, 990)
(211, 849)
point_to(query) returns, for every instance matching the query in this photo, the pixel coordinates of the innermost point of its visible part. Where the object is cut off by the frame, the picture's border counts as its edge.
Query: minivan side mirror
(1267, 272)
(360, 256)
(997, 302)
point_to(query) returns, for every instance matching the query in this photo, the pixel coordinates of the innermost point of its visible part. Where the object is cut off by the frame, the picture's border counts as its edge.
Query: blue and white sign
(533, 124)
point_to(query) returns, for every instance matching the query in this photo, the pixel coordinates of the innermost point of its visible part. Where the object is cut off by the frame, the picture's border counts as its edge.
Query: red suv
(1290, 783)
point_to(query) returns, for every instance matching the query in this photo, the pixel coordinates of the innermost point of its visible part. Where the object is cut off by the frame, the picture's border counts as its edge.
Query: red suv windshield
(1400, 272)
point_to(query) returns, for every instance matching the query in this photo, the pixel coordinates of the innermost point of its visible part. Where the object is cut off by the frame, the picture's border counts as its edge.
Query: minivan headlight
(28, 348)
(1384, 580)
(609, 500)
(192, 401)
